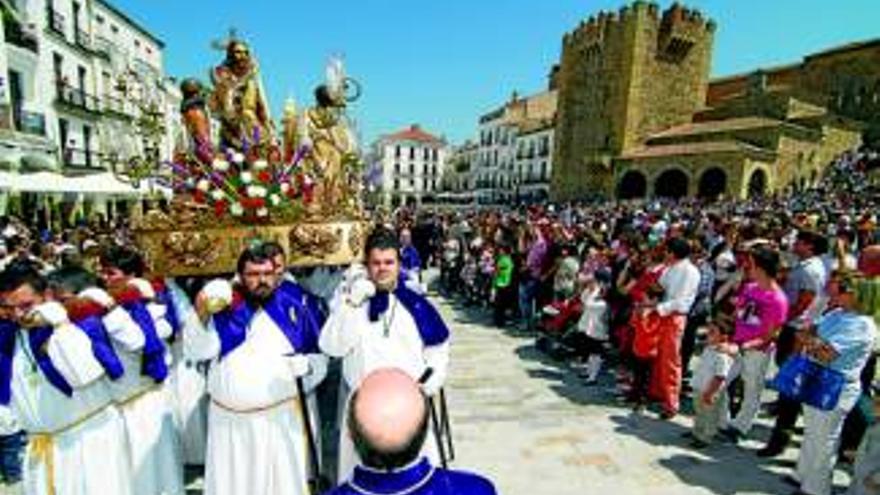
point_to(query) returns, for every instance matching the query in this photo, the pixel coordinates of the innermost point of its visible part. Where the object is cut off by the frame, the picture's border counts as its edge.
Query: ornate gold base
(210, 250)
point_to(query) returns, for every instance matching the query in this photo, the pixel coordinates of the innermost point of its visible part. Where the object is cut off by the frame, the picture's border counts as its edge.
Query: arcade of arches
(710, 182)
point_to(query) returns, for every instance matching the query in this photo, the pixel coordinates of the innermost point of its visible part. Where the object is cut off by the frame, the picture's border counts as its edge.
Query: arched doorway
(671, 184)
(713, 183)
(757, 184)
(633, 185)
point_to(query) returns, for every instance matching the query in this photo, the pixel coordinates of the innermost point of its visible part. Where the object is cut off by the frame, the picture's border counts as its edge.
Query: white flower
(274, 199)
(190, 183)
(260, 164)
(247, 177)
(262, 212)
(285, 188)
(220, 165)
(256, 191)
(203, 185)
(236, 209)
(237, 158)
(218, 194)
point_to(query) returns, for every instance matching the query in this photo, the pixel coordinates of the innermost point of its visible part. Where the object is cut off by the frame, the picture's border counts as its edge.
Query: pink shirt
(758, 312)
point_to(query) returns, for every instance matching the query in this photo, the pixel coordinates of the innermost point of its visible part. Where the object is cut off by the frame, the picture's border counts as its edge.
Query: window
(396, 184)
(397, 152)
(412, 169)
(115, 29)
(412, 183)
(434, 154)
(99, 19)
(137, 43)
(58, 66)
(425, 185)
(434, 170)
(412, 153)
(397, 168)
(426, 153)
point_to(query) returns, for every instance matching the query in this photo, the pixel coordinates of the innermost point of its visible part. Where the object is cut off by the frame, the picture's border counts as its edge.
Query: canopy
(102, 183)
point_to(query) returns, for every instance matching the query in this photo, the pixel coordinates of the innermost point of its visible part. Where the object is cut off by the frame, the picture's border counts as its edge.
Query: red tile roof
(700, 148)
(414, 133)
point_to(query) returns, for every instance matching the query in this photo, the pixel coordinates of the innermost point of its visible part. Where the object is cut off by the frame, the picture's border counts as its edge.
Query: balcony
(102, 47)
(117, 107)
(83, 40)
(76, 98)
(32, 123)
(55, 21)
(79, 159)
(16, 35)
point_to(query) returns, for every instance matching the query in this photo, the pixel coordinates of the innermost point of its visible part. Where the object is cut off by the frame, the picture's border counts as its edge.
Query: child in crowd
(503, 295)
(645, 343)
(710, 377)
(593, 326)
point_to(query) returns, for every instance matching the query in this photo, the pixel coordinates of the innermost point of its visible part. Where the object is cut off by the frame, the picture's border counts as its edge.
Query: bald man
(388, 421)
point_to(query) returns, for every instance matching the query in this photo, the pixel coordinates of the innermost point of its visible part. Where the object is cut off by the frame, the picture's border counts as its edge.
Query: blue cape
(419, 479)
(431, 327)
(286, 309)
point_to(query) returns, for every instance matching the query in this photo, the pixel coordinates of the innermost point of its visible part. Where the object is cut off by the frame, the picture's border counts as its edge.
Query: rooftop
(667, 150)
(716, 126)
(414, 133)
(106, 4)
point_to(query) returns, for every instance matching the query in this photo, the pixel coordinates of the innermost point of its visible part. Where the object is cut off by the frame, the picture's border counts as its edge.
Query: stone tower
(623, 76)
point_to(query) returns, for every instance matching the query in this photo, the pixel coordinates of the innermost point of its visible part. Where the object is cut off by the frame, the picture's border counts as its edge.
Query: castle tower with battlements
(622, 77)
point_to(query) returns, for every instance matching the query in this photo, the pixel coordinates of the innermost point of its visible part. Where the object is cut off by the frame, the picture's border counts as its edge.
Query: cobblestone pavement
(529, 423)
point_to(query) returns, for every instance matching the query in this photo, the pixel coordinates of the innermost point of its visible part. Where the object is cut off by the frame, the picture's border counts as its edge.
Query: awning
(103, 183)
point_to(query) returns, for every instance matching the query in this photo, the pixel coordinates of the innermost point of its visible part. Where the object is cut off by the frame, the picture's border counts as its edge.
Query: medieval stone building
(639, 117)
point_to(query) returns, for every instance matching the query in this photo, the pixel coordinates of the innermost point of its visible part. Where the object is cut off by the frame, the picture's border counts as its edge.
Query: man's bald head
(388, 419)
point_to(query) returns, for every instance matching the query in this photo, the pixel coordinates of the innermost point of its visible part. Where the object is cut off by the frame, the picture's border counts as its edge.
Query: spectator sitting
(388, 420)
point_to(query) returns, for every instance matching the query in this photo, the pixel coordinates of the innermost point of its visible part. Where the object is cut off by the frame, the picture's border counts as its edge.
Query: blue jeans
(528, 289)
(11, 456)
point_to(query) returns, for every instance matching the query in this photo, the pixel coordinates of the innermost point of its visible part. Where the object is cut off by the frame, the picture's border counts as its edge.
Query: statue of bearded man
(239, 100)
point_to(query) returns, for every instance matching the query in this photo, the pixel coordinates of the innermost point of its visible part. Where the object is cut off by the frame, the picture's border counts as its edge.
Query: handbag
(804, 380)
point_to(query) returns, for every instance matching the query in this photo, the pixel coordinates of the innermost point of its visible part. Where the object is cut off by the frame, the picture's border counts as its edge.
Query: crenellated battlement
(677, 25)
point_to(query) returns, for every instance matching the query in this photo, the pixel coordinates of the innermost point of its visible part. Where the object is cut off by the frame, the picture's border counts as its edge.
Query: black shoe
(666, 415)
(791, 480)
(688, 435)
(698, 444)
(731, 435)
(772, 449)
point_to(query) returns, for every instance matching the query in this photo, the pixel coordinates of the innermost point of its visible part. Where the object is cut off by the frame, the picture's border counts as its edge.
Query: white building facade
(74, 70)
(412, 163)
(534, 163)
(460, 175)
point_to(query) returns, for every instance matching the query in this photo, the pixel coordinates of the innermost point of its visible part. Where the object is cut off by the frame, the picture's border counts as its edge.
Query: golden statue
(330, 147)
(239, 100)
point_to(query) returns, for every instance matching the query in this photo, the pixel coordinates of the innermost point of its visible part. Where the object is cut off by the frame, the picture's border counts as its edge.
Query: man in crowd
(380, 323)
(261, 342)
(680, 283)
(388, 421)
(57, 389)
(804, 289)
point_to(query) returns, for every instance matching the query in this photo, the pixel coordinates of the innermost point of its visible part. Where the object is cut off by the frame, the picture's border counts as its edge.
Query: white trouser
(752, 367)
(815, 467)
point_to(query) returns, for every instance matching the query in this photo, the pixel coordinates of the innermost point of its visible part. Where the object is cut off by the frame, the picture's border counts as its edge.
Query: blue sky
(442, 63)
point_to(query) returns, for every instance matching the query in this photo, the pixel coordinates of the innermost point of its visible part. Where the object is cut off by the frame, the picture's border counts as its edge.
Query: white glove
(218, 295)
(432, 385)
(550, 311)
(99, 296)
(360, 291)
(299, 365)
(144, 287)
(50, 313)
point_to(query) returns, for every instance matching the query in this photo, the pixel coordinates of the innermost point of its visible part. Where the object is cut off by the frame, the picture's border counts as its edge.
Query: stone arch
(713, 183)
(633, 185)
(757, 185)
(671, 183)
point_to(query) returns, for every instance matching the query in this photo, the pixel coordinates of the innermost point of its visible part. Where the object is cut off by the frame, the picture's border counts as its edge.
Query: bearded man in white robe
(261, 342)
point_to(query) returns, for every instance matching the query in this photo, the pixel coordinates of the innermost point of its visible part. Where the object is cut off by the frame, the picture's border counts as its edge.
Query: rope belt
(294, 400)
(42, 446)
(131, 400)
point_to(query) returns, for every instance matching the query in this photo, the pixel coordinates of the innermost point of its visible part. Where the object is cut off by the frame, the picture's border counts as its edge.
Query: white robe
(154, 446)
(256, 438)
(364, 348)
(89, 449)
(188, 386)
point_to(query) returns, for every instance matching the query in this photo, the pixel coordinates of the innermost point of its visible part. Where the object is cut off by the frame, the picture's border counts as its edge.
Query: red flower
(264, 176)
(198, 196)
(253, 203)
(220, 207)
(158, 285)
